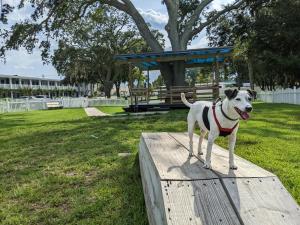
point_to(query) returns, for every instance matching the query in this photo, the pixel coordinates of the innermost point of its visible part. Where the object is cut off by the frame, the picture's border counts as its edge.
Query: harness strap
(221, 129)
(224, 114)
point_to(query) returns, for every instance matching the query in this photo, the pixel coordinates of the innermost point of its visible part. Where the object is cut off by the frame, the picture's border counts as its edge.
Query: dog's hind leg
(202, 135)
(191, 125)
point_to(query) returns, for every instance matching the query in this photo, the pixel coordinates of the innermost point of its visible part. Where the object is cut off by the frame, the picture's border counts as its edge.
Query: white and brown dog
(219, 119)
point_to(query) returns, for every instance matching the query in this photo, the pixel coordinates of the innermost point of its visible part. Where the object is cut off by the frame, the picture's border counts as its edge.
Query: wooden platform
(178, 191)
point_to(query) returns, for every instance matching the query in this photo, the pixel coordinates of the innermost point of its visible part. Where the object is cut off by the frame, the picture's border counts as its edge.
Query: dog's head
(240, 101)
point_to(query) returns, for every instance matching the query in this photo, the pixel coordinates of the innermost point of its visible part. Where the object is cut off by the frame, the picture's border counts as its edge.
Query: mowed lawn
(61, 167)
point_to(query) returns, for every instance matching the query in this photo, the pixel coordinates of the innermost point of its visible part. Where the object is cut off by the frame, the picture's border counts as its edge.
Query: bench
(54, 105)
(192, 94)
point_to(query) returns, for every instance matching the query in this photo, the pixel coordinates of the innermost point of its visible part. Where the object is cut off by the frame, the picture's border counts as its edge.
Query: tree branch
(129, 8)
(235, 5)
(189, 26)
(172, 25)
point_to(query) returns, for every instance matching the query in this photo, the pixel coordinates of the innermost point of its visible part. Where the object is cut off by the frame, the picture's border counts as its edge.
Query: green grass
(61, 167)
(111, 109)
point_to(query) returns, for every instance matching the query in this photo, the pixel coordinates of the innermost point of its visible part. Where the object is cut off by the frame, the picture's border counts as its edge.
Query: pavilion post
(130, 83)
(217, 79)
(148, 85)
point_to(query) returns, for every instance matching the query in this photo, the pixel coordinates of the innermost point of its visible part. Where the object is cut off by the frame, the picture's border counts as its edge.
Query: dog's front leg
(210, 142)
(232, 140)
(202, 135)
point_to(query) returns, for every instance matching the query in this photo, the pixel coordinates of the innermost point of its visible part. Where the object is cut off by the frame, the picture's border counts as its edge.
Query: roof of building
(192, 57)
(29, 77)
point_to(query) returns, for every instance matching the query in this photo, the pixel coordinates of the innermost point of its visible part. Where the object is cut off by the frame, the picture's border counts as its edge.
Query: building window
(25, 82)
(4, 81)
(15, 81)
(44, 83)
(35, 82)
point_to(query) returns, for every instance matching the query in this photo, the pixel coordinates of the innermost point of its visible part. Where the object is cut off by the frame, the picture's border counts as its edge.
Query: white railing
(20, 105)
(289, 96)
(6, 86)
(35, 87)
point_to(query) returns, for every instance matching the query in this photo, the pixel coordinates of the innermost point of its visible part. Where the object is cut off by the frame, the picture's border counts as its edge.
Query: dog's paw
(233, 167)
(207, 166)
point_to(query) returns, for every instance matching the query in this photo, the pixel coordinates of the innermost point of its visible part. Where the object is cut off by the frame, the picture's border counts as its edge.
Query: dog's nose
(249, 109)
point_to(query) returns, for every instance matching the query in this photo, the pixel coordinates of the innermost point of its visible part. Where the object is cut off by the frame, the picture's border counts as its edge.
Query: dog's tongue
(245, 115)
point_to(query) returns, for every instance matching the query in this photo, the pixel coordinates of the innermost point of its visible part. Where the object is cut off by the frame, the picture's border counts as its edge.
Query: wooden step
(179, 191)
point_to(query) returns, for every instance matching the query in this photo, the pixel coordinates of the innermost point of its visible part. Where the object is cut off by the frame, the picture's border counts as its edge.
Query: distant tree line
(265, 35)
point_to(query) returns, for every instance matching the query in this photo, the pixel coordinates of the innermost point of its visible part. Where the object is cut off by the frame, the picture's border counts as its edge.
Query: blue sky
(21, 63)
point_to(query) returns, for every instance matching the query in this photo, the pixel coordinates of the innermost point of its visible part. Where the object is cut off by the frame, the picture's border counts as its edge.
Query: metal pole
(148, 86)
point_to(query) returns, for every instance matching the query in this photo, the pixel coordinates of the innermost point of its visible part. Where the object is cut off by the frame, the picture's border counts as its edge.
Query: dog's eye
(238, 99)
(249, 99)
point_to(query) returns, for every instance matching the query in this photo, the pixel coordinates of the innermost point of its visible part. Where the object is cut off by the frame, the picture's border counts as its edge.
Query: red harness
(223, 131)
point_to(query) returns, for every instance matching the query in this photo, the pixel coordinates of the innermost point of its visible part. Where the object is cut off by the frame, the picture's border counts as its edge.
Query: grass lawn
(61, 167)
(111, 109)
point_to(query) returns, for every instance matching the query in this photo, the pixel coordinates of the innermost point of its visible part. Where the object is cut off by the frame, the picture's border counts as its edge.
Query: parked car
(26, 97)
(41, 96)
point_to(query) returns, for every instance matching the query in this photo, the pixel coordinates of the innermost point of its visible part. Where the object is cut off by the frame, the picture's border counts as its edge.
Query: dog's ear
(230, 94)
(252, 93)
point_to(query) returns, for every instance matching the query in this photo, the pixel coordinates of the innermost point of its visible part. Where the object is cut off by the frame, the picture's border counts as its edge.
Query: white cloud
(156, 19)
(200, 42)
(21, 63)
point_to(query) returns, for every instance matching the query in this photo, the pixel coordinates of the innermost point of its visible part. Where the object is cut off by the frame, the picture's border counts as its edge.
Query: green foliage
(198, 75)
(265, 32)
(87, 52)
(158, 82)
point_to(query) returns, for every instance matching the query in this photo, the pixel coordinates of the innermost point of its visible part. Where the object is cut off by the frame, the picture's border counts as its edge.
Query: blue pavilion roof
(192, 57)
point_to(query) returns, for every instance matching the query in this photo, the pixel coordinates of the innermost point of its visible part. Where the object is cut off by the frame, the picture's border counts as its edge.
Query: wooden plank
(201, 202)
(171, 159)
(152, 189)
(220, 158)
(263, 201)
(176, 191)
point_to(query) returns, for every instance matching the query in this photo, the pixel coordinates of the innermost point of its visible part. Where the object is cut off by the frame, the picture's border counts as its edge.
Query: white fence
(290, 96)
(39, 104)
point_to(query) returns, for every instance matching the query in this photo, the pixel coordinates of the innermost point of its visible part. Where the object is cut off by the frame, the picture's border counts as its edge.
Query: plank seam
(189, 179)
(221, 181)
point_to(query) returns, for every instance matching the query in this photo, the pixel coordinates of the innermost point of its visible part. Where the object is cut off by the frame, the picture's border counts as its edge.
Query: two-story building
(14, 86)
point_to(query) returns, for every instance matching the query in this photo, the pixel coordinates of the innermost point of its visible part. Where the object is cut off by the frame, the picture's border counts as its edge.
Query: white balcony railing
(35, 87)
(5, 86)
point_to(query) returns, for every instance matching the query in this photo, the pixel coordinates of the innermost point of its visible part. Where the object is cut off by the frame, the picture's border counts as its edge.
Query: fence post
(7, 105)
(27, 104)
(295, 95)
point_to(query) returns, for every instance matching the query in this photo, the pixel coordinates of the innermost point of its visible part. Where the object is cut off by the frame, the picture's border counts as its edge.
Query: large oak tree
(187, 18)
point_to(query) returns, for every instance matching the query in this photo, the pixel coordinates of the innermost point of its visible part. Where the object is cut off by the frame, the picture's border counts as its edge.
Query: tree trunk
(108, 85)
(250, 70)
(118, 89)
(179, 73)
(173, 73)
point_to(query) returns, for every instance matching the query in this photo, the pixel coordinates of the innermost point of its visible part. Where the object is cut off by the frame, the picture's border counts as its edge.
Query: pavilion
(192, 58)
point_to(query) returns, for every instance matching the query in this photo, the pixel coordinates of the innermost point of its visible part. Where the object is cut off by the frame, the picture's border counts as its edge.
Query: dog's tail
(183, 99)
